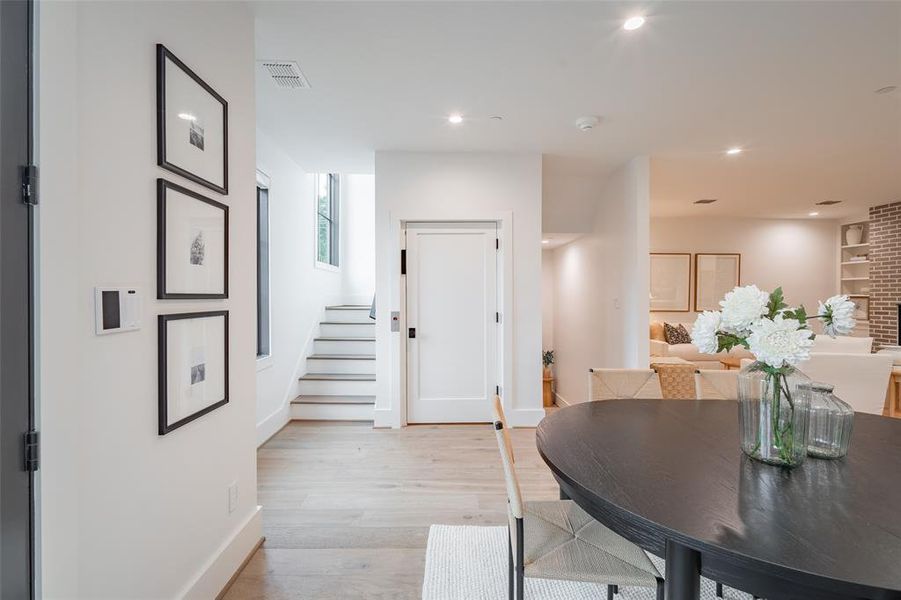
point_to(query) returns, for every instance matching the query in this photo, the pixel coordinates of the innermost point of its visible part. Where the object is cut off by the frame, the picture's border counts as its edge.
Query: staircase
(339, 383)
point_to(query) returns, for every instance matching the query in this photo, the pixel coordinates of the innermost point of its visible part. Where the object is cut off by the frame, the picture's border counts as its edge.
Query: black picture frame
(164, 426)
(162, 55)
(162, 187)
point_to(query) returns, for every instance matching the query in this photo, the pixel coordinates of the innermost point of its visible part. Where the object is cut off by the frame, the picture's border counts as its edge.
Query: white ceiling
(791, 82)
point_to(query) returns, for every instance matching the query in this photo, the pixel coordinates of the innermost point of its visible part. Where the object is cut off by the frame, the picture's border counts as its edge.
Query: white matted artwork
(670, 282)
(192, 244)
(193, 366)
(715, 276)
(192, 128)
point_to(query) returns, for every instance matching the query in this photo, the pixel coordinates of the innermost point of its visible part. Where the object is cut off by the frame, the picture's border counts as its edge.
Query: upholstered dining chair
(558, 540)
(614, 384)
(716, 384)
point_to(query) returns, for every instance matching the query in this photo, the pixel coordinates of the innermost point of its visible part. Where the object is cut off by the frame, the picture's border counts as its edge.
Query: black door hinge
(30, 185)
(497, 390)
(497, 244)
(32, 451)
(403, 262)
(497, 317)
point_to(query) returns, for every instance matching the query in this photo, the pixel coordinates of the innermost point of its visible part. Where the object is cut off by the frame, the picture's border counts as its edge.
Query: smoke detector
(587, 123)
(286, 74)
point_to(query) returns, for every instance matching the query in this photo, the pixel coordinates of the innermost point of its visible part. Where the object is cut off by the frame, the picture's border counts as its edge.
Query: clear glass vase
(773, 414)
(831, 421)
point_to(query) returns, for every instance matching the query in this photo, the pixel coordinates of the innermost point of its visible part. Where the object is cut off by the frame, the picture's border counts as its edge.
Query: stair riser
(329, 412)
(343, 347)
(340, 366)
(361, 330)
(336, 388)
(348, 316)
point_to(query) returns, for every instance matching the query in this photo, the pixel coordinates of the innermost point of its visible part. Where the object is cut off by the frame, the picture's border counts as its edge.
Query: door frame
(504, 220)
(20, 492)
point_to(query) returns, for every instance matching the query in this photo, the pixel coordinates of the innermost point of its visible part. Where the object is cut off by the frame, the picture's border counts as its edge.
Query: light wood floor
(347, 508)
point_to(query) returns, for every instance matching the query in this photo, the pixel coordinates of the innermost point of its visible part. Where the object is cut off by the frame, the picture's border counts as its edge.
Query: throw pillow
(676, 335)
(657, 331)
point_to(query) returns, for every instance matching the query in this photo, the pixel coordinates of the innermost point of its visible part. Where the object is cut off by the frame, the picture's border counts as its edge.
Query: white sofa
(690, 352)
(842, 345)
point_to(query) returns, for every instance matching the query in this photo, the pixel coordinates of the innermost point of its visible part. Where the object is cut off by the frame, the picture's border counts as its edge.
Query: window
(263, 332)
(327, 219)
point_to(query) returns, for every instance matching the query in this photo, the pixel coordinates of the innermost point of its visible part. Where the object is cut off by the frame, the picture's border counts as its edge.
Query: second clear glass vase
(773, 414)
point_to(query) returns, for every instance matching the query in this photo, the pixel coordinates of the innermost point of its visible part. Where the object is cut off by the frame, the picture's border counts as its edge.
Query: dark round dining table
(669, 476)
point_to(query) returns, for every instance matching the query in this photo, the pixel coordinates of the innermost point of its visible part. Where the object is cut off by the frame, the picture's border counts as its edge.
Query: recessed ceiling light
(633, 23)
(733, 151)
(187, 116)
(812, 214)
(496, 118)
(706, 201)
(545, 241)
(887, 89)
(455, 119)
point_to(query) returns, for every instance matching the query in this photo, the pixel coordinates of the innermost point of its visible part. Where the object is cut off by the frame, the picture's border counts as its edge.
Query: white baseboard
(332, 412)
(525, 417)
(384, 418)
(271, 424)
(226, 560)
(560, 400)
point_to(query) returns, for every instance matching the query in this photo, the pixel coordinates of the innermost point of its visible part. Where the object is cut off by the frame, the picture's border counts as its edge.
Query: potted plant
(547, 357)
(773, 406)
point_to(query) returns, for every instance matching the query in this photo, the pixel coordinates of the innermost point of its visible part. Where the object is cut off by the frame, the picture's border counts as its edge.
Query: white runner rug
(470, 563)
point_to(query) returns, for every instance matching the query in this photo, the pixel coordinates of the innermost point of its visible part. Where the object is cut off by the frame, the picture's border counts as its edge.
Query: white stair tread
(338, 377)
(341, 356)
(334, 400)
(349, 307)
(344, 339)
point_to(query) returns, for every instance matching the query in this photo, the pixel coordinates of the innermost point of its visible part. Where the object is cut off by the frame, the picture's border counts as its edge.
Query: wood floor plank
(347, 508)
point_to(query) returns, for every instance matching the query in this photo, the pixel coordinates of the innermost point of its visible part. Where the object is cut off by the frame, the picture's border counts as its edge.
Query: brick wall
(885, 272)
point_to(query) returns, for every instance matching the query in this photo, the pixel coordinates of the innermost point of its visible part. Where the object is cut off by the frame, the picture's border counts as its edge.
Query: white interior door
(452, 306)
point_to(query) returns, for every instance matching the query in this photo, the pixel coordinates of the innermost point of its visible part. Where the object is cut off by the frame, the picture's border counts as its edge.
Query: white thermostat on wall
(116, 309)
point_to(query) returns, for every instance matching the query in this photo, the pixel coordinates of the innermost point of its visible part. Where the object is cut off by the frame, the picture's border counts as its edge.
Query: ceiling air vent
(286, 74)
(705, 201)
(829, 202)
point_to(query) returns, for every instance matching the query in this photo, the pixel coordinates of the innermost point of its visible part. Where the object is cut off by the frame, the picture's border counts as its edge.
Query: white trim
(273, 423)
(262, 179)
(322, 265)
(226, 560)
(264, 362)
(561, 400)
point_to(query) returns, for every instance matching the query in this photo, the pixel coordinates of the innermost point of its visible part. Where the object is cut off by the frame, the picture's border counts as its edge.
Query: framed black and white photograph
(192, 244)
(193, 366)
(670, 282)
(192, 124)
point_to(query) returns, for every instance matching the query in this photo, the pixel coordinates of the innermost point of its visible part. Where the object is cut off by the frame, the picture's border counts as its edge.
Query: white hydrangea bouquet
(772, 415)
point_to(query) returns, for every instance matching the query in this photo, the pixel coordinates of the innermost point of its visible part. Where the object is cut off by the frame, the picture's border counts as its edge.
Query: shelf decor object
(773, 406)
(830, 424)
(670, 282)
(193, 366)
(191, 245)
(192, 124)
(853, 235)
(715, 274)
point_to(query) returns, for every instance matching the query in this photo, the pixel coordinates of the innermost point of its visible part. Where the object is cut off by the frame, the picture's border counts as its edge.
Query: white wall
(358, 238)
(127, 513)
(461, 186)
(797, 254)
(601, 300)
(298, 289)
(548, 290)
